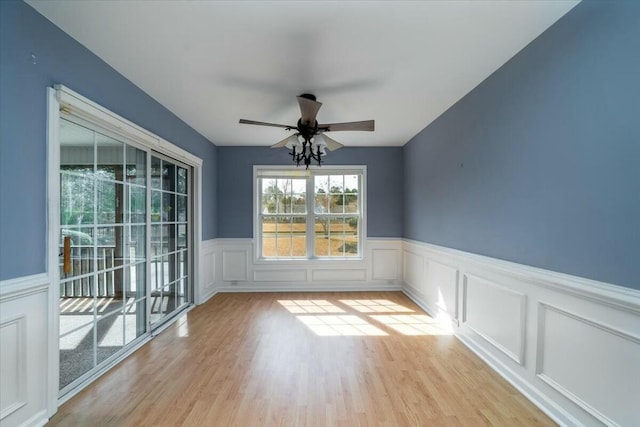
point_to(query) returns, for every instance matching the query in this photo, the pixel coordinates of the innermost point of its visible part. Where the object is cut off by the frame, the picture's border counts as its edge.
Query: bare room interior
(319, 213)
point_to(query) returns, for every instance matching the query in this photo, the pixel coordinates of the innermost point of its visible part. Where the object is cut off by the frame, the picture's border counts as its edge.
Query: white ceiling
(402, 63)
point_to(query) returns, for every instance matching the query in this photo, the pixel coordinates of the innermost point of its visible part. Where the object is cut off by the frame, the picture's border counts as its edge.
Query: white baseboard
(567, 343)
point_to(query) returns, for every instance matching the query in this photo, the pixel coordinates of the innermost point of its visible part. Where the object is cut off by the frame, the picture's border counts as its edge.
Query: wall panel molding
(597, 344)
(569, 344)
(12, 365)
(497, 314)
(236, 270)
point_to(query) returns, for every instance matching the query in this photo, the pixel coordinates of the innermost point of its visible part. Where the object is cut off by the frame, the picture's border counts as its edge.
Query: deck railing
(83, 264)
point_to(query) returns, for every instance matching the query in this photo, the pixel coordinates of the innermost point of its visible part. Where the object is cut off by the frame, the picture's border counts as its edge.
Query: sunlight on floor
(320, 316)
(416, 324)
(375, 306)
(347, 325)
(310, 306)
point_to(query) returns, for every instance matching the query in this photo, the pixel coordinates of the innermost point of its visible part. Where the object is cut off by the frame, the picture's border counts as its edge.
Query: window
(292, 225)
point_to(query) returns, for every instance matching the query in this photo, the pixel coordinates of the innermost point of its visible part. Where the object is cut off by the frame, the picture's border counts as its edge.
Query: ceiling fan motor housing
(306, 131)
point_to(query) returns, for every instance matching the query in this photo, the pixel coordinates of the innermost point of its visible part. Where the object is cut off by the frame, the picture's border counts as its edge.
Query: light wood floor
(302, 359)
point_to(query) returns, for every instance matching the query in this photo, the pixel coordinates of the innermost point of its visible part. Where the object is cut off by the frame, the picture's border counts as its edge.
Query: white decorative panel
(414, 270)
(234, 265)
(12, 356)
(497, 314)
(441, 288)
(595, 366)
(339, 275)
(280, 275)
(385, 264)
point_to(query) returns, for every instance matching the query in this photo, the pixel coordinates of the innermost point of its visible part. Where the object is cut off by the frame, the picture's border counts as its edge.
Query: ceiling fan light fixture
(293, 141)
(309, 143)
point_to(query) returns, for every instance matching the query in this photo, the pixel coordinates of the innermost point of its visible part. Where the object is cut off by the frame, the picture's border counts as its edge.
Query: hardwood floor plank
(302, 359)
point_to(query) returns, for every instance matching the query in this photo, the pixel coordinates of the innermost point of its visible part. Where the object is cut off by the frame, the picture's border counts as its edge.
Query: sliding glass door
(170, 241)
(125, 257)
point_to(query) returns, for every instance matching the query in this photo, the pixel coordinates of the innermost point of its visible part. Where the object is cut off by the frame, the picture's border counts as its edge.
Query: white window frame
(293, 172)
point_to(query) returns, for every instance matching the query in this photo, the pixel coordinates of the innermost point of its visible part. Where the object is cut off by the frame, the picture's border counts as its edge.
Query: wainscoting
(24, 340)
(571, 345)
(229, 265)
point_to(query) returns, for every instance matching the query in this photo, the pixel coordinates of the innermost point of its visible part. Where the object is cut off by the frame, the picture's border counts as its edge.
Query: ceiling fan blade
(275, 125)
(308, 109)
(365, 125)
(332, 144)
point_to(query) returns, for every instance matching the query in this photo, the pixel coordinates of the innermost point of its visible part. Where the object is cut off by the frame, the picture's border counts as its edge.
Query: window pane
(268, 246)
(336, 183)
(108, 195)
(168, 242)
(336, 203)
(168, 176)
(169, 299)
(110, 158)
(156, 240)
(135, 243)
(168, 207)
(299, 246)
(182, 208)
(134, 325)
(76, 354)
(322, 245)
(182, 264)
(76, 199)
(283, 245)
(336, 246)
(110, 335)
(136, 166)
(182, 180)
(351, 203)
(182, 236)
(81, 255)
(156, 173)
(134, 281)
(137, 204)
(156, 205)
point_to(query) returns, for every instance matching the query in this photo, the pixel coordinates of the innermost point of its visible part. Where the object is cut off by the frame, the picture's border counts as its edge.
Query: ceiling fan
(309, 141)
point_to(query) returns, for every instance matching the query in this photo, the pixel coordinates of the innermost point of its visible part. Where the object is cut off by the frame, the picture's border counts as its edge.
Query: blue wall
(537, 165)
(540, 164)
(23, 118)
(384, 186)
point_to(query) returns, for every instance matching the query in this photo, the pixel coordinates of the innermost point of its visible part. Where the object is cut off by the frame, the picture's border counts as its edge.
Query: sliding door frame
(61, 102)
